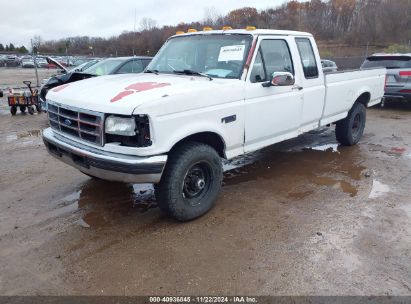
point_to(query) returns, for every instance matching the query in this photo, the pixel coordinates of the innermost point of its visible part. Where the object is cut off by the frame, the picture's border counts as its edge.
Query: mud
(304, 217)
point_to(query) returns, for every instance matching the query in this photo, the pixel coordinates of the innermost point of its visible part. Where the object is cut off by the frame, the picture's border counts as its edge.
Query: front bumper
(102, 164)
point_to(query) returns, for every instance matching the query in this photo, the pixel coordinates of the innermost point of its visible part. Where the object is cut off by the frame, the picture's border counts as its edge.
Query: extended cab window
(307, 57)
(273, 56)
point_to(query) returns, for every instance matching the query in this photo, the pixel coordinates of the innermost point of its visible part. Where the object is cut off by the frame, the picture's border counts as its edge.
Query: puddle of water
(72, 197)
(332, 147)
(292, 173)
(407, 209)
(11, 138)
(24, 139)
(30, 133)
(299, 195)
(102, 203)
(343, 185)
(240, 161)
(378, 189)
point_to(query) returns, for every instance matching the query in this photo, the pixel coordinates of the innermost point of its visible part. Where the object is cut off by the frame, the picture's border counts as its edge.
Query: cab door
(272, 113)
(313, 83)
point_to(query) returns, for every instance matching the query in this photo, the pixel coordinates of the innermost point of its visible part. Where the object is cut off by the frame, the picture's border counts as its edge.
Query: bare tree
(36, 42)
(147, 24)
(211, 16)
(347, 23)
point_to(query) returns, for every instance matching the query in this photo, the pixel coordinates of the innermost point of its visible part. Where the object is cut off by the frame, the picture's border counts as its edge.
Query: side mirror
(280, 79)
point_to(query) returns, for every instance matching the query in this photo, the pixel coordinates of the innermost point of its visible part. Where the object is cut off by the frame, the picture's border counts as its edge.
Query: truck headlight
(120, 125)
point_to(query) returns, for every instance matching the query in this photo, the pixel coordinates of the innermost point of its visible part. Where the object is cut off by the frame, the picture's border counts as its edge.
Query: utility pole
(134, 32)
(34, 53)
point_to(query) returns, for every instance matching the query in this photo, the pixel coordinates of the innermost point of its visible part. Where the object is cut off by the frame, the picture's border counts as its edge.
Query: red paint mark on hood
(59, 88)
(399, 150)
(138, 87)
(121, 95)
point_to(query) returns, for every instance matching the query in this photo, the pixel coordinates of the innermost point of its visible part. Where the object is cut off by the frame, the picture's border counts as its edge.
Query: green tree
(23, 50)
(12, 47)
(1, 47)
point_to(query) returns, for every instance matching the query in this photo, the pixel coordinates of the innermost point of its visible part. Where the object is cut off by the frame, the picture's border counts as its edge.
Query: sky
(102, 18)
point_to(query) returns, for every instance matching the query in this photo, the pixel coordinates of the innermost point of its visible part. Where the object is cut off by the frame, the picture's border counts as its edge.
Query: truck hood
(121, 94)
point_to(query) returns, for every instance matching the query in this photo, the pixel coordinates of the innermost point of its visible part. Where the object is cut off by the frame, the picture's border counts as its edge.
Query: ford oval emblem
(67, 122)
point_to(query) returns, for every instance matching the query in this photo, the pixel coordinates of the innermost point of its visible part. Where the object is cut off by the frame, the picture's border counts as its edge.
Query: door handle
(297, 88)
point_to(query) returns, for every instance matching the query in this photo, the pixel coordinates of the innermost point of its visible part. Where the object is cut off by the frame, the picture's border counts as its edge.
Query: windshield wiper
(151, 71)
(192, 72)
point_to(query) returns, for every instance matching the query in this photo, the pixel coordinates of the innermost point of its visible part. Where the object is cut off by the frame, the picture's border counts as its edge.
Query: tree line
(353, 22)
(11, 48)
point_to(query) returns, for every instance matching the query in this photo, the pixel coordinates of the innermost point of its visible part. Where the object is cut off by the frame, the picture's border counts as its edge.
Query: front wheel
(13, 110)
(191, 181)
(350, 130)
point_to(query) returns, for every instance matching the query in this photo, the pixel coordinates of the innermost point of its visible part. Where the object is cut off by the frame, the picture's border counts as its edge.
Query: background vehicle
(204, 96)
(84, 66)
(3, 60)
(120, 65)
(12, 61)
(27, 63)
(329, 66)
(398, 85)
(41, 62)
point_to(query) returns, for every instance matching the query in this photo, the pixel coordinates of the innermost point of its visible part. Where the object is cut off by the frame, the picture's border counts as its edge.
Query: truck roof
(249, 32)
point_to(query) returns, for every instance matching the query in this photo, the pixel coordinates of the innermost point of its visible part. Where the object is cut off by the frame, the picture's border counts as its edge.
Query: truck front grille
(84, 124)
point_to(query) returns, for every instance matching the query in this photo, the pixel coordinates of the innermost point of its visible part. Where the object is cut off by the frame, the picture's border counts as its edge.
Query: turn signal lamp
(191, 31)
(226, 28)
(179, 33)
(250, 28)
(207, 28)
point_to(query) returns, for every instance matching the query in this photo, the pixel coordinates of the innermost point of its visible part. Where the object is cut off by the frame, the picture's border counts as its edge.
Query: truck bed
(342, 89)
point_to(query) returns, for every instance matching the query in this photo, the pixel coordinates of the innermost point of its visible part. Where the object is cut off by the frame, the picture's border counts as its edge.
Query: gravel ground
(304, 217)
(14, 77)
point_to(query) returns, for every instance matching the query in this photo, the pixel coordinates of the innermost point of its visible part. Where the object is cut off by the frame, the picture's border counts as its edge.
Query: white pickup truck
(205, 96)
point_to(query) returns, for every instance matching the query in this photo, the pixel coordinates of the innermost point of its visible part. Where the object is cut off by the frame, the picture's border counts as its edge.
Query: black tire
(23, 109)
(13, 110)
(38, 108)
(30, 110)
(350, 130)
(191, 181)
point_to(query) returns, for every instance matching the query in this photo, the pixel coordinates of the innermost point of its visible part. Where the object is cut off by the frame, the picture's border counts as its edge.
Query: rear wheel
(13, 110)
(31, 110)
(38, 108)
(191, 181)
(350, 130)
(23, 109)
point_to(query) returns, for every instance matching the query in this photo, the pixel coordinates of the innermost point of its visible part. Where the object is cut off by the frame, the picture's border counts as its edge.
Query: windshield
(220, 56)
(104, 67)
(389, 62)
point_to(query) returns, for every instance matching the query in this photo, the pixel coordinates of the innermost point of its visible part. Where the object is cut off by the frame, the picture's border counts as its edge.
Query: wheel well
(209, 138)
(364, 98)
